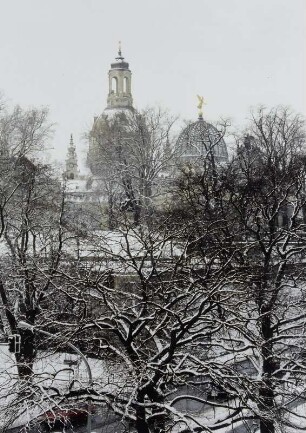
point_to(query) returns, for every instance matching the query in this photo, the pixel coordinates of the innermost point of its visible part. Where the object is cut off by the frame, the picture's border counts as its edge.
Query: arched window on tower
(114, 85)
(126, 85)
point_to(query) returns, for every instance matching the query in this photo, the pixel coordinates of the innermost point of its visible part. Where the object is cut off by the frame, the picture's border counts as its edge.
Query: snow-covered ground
(53, 370)
(57, 370)
(297, 419)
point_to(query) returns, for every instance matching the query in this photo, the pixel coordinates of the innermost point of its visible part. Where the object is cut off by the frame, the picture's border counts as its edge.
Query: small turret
(72, 170)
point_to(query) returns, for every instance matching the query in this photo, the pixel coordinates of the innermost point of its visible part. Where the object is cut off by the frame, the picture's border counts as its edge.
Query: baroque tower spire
(72, 170)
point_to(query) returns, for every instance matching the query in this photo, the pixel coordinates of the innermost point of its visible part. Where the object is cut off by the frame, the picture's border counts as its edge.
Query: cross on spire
(120, 57)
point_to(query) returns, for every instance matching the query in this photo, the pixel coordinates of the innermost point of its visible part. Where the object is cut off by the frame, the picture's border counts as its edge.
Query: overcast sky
(236, 53)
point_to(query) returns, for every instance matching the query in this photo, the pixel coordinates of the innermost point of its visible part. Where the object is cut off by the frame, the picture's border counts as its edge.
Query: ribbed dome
(200, 138)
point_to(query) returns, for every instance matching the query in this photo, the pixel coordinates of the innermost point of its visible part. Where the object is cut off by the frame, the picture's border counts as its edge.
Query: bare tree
(30, 226)
(268, 196)
(153, 316)
(256, 205)
(157, 295)
(200, 311)
(130, 152)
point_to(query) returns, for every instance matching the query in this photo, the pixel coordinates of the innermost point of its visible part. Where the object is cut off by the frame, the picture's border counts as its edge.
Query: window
(125, 85)
(115, 84)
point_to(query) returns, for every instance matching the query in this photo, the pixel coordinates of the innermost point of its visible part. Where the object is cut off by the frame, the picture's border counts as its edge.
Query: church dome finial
(120, 57)
(200, 106)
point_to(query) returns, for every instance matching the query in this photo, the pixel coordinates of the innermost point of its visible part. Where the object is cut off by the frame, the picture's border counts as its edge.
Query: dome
(200, 138)
(111, 117)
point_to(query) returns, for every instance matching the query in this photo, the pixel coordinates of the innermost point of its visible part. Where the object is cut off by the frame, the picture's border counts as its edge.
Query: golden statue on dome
(200, 104)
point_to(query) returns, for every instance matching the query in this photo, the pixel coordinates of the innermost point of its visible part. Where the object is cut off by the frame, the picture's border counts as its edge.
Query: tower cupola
(119, 94)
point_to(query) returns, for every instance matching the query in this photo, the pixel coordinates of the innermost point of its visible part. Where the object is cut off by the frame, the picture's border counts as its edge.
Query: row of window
(114, 86)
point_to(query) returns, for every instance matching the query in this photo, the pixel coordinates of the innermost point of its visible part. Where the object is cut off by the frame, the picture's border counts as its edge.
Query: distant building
(110, 184)
(72, 171)
(119, 105)
(198, 140)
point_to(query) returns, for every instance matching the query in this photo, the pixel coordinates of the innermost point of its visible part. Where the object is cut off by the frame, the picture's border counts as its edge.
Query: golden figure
(200, 105)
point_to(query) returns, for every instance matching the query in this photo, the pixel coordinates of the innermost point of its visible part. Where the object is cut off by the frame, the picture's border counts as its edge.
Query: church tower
(72, 171)
(119, 83)
(119, 106)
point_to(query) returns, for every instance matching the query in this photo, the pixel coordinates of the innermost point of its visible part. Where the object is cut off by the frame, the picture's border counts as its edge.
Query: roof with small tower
(120, 63)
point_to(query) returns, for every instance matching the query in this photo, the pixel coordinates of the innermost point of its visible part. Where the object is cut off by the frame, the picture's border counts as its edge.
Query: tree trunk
(141, 422)
(266, 426)
(25, 358)
(266, 392)
(111, 215)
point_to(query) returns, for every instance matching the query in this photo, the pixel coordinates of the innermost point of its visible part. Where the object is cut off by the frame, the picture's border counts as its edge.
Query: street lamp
(25, 325)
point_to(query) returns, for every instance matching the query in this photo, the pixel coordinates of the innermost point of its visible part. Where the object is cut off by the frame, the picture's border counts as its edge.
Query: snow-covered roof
(118, 251)
(112, 112)
(76, 185)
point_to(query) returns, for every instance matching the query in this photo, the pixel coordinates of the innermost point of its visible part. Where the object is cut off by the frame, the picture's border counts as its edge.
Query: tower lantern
(119, 94)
